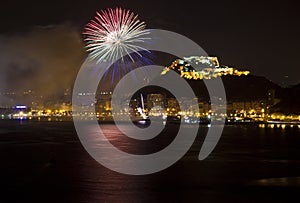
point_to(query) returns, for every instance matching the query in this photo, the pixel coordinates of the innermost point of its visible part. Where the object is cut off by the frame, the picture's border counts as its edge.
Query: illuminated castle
(209, 68)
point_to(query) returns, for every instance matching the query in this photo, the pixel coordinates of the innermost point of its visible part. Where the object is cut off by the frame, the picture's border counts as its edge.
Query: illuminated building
(157, 100)
(209, 68)
(203, 108)
(103, 104)
(173, 107)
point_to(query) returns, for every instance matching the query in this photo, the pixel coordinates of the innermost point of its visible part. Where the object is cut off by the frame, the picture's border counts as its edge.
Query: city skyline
(62, 102)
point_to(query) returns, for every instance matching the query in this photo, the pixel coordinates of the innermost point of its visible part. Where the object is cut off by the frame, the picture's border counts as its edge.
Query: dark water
(45, 162)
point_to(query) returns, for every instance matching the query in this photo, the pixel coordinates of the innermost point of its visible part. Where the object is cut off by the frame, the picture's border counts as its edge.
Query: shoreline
(111, 121)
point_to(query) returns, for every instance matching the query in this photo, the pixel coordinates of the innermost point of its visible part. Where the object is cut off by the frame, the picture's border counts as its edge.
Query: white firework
(113, 34)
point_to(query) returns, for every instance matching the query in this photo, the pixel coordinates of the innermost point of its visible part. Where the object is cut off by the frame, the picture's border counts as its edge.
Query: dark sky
(262, 36)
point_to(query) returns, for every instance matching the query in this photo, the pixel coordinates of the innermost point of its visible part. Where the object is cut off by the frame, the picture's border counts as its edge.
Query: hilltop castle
(209, 68)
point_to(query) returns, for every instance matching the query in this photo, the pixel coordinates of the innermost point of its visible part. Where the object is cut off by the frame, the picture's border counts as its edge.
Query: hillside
(242, 88)
(290, 101)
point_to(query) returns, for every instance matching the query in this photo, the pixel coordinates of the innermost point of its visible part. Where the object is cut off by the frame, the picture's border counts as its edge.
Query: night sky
(41, 41)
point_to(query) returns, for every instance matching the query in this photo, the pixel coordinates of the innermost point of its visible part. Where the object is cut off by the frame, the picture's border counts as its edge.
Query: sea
(44, 161)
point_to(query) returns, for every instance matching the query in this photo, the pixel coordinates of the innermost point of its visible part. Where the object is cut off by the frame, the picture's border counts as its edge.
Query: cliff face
(290, 101)
(240, 88)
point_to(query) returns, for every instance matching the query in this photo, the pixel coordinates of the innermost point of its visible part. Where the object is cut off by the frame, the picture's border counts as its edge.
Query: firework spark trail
(113, 33)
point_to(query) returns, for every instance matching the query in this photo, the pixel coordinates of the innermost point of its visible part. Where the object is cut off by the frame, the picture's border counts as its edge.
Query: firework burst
(113, 34)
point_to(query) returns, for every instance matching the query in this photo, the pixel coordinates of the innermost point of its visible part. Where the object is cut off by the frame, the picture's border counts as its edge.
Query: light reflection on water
(45, 161)
(278, 182)
(279, 126)
(243, 156)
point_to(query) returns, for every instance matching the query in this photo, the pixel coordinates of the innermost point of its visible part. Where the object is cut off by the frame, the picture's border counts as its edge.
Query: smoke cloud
(44, 60)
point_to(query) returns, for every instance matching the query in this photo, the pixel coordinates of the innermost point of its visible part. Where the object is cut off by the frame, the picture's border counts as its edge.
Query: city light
(159, 105)
(21, 107)
(210, 68)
